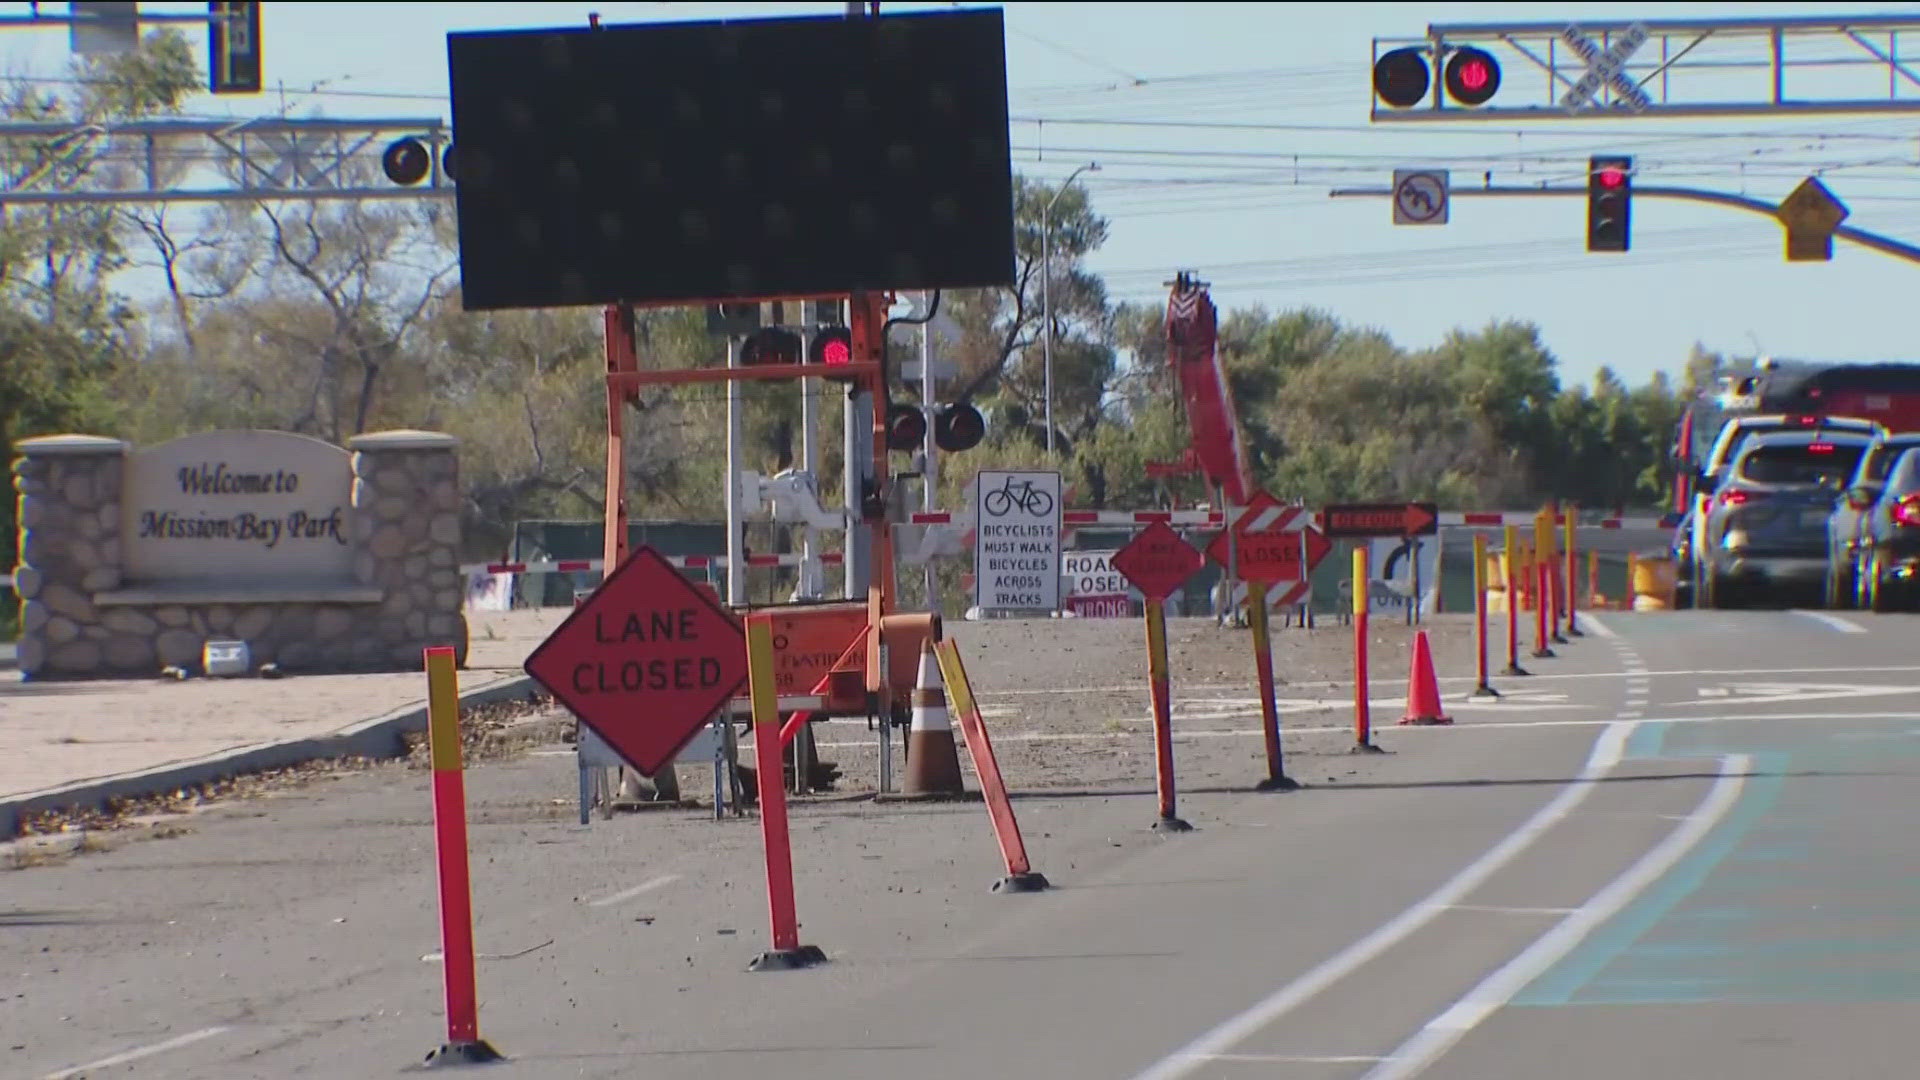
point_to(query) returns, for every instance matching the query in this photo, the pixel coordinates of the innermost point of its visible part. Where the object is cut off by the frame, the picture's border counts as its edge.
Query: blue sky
(1247, 206)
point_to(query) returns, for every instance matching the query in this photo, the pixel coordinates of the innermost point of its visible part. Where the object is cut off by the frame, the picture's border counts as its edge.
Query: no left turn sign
(1420, 197)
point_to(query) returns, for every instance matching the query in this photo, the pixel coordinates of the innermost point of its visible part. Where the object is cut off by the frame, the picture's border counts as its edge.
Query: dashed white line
(1497, 910)
(1443, 1031)
(1296, 1059)
(1607, 752)
(138, 1053)
(1834, 621)
(627, 894)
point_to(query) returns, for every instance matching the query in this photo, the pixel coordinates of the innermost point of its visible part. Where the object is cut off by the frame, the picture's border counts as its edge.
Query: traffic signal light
(1472, 76)
(958, 427)
(1609, 203)
(771, 345)
(832, 348)
(906, 427)
(1402, 77)
(233, 48)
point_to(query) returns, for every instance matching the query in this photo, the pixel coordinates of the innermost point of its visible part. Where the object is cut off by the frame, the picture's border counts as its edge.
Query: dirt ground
(1067, 705)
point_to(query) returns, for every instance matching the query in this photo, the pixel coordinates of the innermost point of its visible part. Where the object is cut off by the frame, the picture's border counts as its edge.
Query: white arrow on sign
(1606, 68)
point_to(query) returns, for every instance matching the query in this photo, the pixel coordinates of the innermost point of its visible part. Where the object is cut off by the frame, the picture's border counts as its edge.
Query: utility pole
(1046, 291)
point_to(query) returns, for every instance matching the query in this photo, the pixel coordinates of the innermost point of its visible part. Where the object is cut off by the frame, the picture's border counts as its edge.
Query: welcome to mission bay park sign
(320, 558)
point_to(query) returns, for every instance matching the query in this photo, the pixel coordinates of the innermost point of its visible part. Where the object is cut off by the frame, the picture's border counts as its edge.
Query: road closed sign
(1016, 541)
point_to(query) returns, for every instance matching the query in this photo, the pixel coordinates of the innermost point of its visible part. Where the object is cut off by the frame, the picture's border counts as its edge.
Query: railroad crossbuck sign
(1605, 68)
(1272, 544)
(1157, 561)
(645, 661)
(1380, 519)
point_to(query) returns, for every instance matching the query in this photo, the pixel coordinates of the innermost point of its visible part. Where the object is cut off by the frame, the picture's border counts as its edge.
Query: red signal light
(1474, 75)
(836, 352)
(1612, 178)
(832, 348)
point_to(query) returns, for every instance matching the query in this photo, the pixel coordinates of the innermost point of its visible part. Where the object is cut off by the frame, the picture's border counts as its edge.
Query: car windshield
(1825, 464)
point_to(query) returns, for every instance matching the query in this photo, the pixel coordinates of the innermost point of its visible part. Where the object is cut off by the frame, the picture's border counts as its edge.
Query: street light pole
(1046, 287)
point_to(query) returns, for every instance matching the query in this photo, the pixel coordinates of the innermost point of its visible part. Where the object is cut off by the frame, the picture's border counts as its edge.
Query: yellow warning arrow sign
(1811, 214)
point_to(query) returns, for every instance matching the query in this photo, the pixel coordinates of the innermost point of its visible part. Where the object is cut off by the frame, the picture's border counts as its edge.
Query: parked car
(1846, 528)
(1713, 471)
(1766, 526)
(1887, 559)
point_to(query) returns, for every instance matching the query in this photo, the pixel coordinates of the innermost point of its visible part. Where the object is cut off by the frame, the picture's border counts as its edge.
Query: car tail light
(1820, 448)
(1734, 498)
(1907, 511)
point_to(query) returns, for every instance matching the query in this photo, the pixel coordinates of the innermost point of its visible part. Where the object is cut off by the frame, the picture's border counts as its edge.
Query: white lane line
(1496, 910)
(1832, 620)
(1607, 751)
(1448, 1028)
(1298, 1059)
(627, 894)
(1598, 626)
(1631, 715)
(1491, 725)
(1537, 677)
(137, 1053)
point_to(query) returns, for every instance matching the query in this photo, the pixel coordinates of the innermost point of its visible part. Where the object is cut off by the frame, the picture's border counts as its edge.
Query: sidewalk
(66, 744)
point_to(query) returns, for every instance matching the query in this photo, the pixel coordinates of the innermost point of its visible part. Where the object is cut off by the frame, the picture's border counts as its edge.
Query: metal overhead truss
(1684, 67)
(260, 159)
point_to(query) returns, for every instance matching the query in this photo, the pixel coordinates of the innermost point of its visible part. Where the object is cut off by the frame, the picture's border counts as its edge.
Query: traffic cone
(933, 759)
(1423, 687)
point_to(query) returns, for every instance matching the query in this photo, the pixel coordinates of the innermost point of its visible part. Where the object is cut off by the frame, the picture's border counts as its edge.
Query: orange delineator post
(1572, 573)
(1513, 569)
(1543, 588)
(1483, 686)
(787, 952)
(450, 850)
(1362, 712)
(1277, 778)
(1006, 828)
(1161, 690)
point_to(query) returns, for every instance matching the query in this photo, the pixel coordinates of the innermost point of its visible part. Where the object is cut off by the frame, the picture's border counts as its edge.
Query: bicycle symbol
(1021, 493)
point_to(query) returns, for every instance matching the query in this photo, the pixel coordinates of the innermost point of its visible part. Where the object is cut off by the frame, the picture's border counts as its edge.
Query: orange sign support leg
(1362, 708)
(1021, 876)
(464, 1044)
(1169, 820)
(1572, 575)
(787, 952)
(1277, 778)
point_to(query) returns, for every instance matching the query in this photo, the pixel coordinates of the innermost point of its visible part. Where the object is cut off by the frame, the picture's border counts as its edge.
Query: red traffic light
(772, 345)
(1472, 76)
(1612, 178)
(906, 427)
(831, 348)
(1401, 78)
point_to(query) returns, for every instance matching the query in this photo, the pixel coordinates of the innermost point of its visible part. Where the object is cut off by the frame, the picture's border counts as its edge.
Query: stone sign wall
(320, 559)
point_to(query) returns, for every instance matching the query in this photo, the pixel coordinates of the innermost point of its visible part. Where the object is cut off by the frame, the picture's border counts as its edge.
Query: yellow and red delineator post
(1483, 687)
(1021, 876)
(1514, 572)
(1362, 710)
(787, 952)
(1161, 688)
(464, 1044)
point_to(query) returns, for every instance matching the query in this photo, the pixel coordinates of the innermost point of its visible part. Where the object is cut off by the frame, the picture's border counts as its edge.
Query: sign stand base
(1030, 882)
(1278, 783)
(805, 956)
(1171, 824)
(1484, 690)
(450, 1055)
(1365, 748)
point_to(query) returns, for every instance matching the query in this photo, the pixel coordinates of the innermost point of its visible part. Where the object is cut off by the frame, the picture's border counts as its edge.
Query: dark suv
(1766, 527)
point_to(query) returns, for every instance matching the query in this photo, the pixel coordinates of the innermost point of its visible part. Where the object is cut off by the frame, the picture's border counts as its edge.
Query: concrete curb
(379, 737)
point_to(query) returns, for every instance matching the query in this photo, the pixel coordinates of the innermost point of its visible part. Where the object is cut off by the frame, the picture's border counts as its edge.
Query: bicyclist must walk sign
(1016, 540)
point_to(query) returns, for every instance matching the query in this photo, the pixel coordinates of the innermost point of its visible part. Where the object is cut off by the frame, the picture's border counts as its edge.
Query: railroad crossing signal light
(233, 48)
(406, 161)
(1473, 76)
(771, 345)
(906, 427)
(1402, 77)
(958, 427)
(1609, 203)
(832, 348)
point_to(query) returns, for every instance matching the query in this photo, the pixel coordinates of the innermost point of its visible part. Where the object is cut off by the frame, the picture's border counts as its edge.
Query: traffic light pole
(1886, 245)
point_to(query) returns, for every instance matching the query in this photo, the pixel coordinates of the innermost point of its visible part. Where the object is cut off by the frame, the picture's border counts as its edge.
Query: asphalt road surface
(1692, 858)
